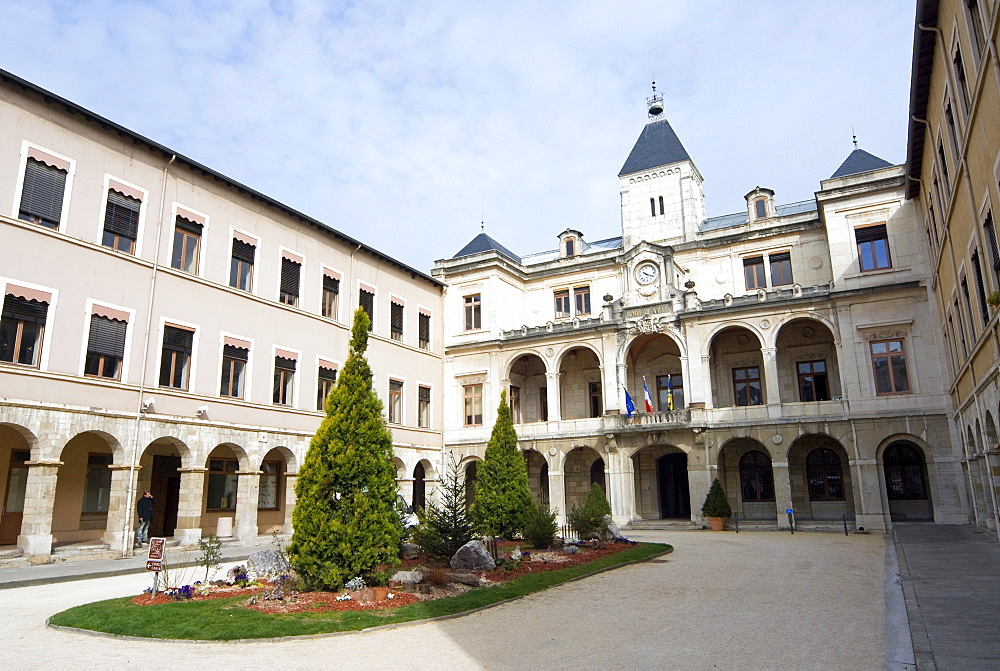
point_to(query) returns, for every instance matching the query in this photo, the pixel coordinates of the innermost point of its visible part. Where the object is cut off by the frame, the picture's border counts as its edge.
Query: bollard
(845, 525)
(736, 516)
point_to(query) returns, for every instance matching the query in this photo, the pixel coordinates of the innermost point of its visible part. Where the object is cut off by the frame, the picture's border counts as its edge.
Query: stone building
(953, 181)
(166, 327)
(790, 350)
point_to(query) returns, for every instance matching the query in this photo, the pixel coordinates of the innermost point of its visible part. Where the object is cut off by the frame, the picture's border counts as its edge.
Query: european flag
(629, 405)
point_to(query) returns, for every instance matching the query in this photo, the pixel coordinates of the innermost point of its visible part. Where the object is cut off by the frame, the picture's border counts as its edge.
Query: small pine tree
(345, 519)
(716, 504)
(541, 528)
(588, 519)
(597, 502)
(503, 499)
(446, 527)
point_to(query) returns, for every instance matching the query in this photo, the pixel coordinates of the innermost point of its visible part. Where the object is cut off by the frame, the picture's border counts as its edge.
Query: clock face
(647, 273)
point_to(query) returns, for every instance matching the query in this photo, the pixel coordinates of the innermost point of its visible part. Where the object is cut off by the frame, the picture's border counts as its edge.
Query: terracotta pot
(717, 523)
(381, 593)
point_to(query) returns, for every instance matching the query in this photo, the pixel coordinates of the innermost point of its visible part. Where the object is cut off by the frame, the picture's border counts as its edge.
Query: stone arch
(220, 496)
(658, 358)
(565, 349)
(970, 445)
(400, 467)
(736, 366)
(159, 463)
(661, 482)
(806, 357)
(991, 430)
(719, 328)
(83, 496)
(747, 476)
(783, 320)
(538, 475)
(18, 445)
(529, 391)
(470, 470)
(820, 478)
(576, 474)
(531, 352)
(422, 472)
(580, 385)
(274, 512)
(905, 480)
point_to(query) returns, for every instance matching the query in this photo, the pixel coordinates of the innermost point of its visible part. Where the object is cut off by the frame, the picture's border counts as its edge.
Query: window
(943, 161)
(269, 493)
(284, 376)
(105, 347)
(424, 330)
(904, 473)
(515, 404)
(222, 485)
(234, 366)
(974, 20)
(781, 268)
(756, 477)
(187, 240)
(746, 386)
(22, 326)
(570, 246)
(825, 475)
(325, 382)
(473, 396)
(964, 283)
(396, 321)
(949, 117)
(760, 208)
(661, 204)
(175, 360)
(121, 222)
(582, 297)
(961, 329)
(395, 402)
(331, 296)
(42, 193)
(97, 484)
(652, 207)
(366, 301)
(596, 402)
(753, 272)
(424, 407)
(813, 384)
(473, 312)
(873, 247)
(670, 392)
(889, 364)
(562, 303)
(963, 84)
(241, 265)
(991, 241)
(290, 275)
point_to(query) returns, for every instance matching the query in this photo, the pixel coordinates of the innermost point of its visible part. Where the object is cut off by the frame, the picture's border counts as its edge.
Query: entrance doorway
(672, 482)
(13, 509)
(165, 485)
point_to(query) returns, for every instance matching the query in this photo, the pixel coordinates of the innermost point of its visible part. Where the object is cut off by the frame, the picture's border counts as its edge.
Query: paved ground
(752, 600)
(951, 583)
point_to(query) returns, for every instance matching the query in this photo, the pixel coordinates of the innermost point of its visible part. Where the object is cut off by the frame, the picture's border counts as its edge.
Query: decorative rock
(613, 530)
(473, 557)
(470, 579)
(268, 563)
(570, 550)
(409, 551)
(404, 577)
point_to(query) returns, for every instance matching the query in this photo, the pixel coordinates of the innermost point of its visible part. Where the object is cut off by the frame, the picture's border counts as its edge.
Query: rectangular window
(284, 377)
(105, 347)
(652, 207)
(596, 402)
(746, 386)
(944, 163)
(661, 204)
(97, 484)
(570, 246)
(473, 312)
(396, 321)
(760, 208)
(966, 294)
(813, 384)
(241, 265)
(42, 194)
(269, 493)
(781, 268)
(187, 240)
(325, 382)
(753, 273)
(222, 487)
(670, 392)
(581, 295)
(22, 326)
(121, 222)
(873, 247)
(175, 359)
(291, 273)
(366, 301)
(473, 397)
(331, 296)
(395, 402)
(424, 328)
(974, 20)
(234, 366)
(949, 117)
(963, 84)
(977, 274)
(961, 330)
(515, 404)
(562, 303)
(889, 364)
(991, 241)
(424, 407)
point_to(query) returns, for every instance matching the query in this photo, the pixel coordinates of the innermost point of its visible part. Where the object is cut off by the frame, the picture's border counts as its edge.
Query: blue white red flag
(646, 397)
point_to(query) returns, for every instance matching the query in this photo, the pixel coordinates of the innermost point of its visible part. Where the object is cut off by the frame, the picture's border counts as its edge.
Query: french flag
(645, 395)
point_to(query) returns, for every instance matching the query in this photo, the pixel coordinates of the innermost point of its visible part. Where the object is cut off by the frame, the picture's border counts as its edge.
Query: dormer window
(760, 203)
(760, 207)
(570, 243)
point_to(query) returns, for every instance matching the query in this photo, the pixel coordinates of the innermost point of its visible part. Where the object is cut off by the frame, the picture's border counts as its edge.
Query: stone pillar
(35, 539)
(620, 385)
(782, 492)
(555, 404)
(868, 511)
(772, 390)
(119, 535)
(557, 488)
(405, 486)
(247, 492)
(621, 486)
(290, 480)
(190, 505)
(706, 381)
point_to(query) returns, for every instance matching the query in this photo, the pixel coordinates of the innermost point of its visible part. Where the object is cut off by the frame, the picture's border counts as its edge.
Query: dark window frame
(753, 273)
(873, 243)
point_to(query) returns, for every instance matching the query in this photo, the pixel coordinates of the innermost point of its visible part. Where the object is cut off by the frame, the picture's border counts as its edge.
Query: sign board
(154, 561)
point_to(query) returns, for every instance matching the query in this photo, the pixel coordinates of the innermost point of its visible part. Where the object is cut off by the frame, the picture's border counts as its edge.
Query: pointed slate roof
(860, 161)
(484, 243)
(657, 145)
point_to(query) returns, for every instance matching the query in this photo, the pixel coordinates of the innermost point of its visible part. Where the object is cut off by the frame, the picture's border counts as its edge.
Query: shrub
(588, 519)
(503, 499)
(716, 504)
(211, 554)
(541, 528)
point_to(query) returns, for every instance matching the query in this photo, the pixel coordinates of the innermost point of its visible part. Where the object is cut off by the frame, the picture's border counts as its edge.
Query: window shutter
(290, 276)
(42, 195)
(284, 364)
(243, 252)
(178, 339)
(25, 310)
(188, 225)
(870, 233)
(397, 318)
(425, 327)
(327, 374)
(367, 302)
(331, 284)
(238, 353)
(107, 336)
(122, 215)
(424, 394)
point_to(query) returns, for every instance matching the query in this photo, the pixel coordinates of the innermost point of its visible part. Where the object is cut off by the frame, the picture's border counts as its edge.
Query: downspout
(133, 480)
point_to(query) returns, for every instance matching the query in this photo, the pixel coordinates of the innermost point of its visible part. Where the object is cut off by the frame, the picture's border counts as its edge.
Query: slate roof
(860, 161)
(740, 218)
(657, 145)
(484, 243)
(591, 248)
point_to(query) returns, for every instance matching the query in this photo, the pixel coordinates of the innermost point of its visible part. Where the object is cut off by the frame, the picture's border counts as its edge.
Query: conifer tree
(446, 526)
(503, 499)
(345, 520)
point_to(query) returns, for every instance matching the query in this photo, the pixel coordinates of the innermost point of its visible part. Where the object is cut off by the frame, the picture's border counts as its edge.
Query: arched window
(825, 475)
(470, 483)
(756, 477)
(904, 473)
(543, 480)
(419, 491)
(597, 474)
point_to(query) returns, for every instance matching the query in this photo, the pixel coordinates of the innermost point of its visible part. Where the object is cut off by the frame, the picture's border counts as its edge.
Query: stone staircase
(662, 525)
(824, 526)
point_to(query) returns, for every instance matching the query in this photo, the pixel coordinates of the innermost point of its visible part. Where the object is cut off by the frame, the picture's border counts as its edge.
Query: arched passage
(662, 489)
(471, 470)
(737, 368)
(83, 489)
(821, 483)
(273, 511)
(807, 362)
(15, 450)
(906, 482)
(657, 359)
(221, 494)
(748, 479)
(419, 486)
(577, 471)
(528, 394)
(160, 463)
(580, 393)
(538, 475)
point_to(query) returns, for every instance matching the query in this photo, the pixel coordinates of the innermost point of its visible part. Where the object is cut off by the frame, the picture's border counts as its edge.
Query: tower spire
(654, 104)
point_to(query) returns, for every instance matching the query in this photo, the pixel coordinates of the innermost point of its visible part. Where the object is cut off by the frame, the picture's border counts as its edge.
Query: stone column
(35, 539)
(555, 404)
(706, 381)
(119, 535)
(190, 505)
(290, 480)
(247, 492)
(868, 511)
(621, 494)
(772, 390)
(782, 492)
(620, 385)
(557, 488)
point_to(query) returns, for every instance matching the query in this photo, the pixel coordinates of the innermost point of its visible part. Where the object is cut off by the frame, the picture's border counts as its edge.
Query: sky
(407, 124)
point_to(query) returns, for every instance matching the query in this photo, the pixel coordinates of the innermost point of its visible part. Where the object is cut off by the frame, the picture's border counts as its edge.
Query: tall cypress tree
(503, 499)
(345, 520)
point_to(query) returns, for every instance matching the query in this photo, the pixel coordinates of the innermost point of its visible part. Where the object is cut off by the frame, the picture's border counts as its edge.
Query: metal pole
(845, 524)
(736, 516)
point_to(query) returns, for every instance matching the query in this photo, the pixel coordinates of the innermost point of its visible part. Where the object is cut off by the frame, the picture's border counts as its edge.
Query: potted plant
(716, 507)
(993, 298)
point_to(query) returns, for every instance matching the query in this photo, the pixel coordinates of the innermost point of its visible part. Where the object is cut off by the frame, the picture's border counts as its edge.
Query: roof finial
(855, 136)
(654, 104)
(482, 223)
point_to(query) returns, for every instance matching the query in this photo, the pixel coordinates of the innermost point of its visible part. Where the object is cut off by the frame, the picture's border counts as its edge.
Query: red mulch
(322, 602)
(537, 564)
(215, 593)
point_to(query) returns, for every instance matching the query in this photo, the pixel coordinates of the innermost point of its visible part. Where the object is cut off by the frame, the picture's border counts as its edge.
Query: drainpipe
(133, 480)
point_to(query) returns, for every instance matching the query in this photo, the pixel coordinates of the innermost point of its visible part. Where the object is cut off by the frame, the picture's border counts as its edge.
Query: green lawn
(227, 619)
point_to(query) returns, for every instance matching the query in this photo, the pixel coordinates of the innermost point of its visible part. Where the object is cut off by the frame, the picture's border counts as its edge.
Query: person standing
(144, 509)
